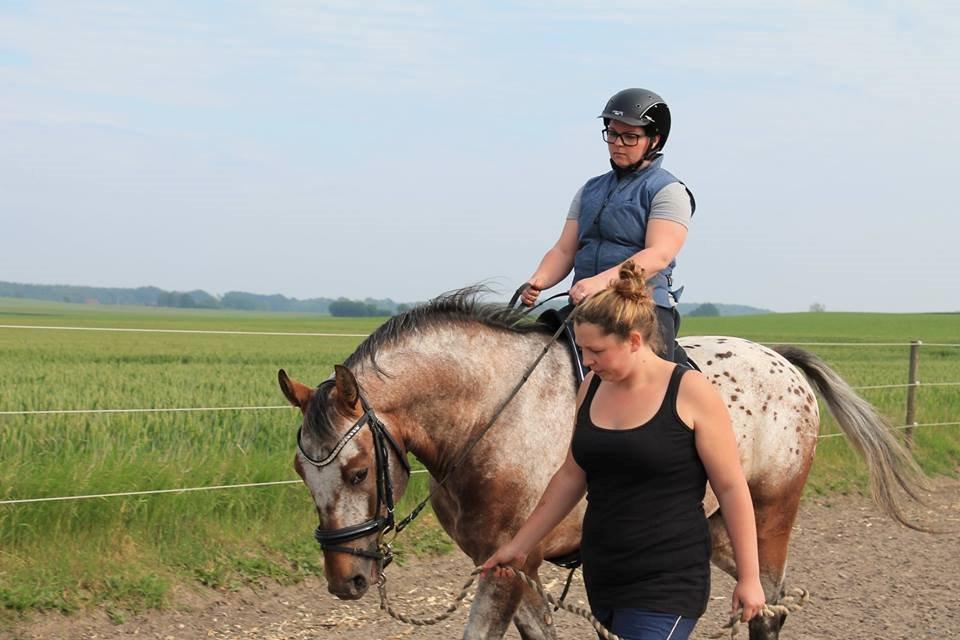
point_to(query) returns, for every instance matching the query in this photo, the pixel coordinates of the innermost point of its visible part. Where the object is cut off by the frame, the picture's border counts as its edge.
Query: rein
(479, 436)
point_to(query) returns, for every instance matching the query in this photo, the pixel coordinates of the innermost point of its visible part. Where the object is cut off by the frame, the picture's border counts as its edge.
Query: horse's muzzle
(353, 588)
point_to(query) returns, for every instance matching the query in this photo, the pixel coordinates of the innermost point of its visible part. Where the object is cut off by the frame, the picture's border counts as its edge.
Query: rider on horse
(636, 211)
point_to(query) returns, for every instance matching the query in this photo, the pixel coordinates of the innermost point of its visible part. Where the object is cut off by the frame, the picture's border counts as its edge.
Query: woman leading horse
(648, 436)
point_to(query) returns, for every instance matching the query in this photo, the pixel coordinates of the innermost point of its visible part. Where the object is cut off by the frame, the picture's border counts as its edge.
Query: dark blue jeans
(641, 624)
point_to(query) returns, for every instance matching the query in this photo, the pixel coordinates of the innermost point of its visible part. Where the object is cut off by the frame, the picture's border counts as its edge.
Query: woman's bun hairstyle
(631, 285)
(626, 305)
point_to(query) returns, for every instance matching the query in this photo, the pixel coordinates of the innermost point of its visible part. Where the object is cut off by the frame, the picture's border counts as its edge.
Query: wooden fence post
(912, 391)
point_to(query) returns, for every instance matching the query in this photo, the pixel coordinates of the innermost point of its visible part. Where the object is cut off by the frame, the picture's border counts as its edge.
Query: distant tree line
(198, 299)
(705, 310)
(355, 309)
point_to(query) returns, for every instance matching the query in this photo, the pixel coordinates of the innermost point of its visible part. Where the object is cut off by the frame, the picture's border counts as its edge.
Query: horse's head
(354, 468)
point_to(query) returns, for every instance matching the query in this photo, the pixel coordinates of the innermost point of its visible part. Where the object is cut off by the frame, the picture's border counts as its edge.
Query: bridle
(333, 539)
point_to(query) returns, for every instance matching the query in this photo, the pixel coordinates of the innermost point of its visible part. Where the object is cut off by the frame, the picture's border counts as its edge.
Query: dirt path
(868, 577)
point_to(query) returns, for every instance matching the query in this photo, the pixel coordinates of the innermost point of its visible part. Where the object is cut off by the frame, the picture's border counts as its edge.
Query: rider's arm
(702, 408)
(670, 214)
(664, 240)
(558, 261)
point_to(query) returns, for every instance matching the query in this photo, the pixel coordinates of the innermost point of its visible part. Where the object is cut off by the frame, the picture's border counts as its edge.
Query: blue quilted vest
(613, 225)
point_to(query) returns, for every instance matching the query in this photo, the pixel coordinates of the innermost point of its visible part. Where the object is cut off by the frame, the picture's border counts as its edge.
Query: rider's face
(622, 155)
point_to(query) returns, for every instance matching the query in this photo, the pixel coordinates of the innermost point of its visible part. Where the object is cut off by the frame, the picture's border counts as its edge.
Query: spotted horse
(428, 381)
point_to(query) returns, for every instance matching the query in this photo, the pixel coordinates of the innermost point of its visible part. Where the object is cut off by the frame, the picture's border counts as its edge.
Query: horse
(430, 380)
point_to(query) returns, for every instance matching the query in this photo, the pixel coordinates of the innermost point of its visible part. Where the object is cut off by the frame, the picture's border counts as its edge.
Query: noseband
(332, 539)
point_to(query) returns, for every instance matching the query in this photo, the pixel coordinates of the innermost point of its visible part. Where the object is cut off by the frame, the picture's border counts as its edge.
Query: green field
(127, 553)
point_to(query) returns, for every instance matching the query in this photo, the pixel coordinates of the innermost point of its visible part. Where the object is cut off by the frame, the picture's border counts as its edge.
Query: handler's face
(605, 354)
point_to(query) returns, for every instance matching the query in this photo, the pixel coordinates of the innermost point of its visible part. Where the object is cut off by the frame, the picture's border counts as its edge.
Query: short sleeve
(672, 203)
(574, 212)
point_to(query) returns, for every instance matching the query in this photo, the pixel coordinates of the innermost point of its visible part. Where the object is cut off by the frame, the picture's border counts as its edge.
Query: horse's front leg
(493, 608)
(534, 620)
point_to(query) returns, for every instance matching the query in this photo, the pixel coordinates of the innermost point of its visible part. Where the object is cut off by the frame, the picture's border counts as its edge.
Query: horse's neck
(441, 392)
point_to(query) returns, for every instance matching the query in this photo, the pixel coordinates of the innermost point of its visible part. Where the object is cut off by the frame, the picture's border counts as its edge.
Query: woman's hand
(532, 291)
(507, 555)
(589, 286)
(749, 595)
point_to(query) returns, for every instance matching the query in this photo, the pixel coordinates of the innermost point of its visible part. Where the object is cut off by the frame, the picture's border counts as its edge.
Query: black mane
(460, 305)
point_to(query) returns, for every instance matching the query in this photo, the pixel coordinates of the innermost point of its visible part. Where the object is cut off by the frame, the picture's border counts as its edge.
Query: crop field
(127, 553)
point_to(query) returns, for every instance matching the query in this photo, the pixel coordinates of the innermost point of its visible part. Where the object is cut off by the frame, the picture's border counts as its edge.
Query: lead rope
(602, 631)
(792, 601)
(789, 602)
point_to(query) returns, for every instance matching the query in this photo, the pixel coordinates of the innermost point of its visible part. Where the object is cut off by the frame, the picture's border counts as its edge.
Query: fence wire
(186, 331)
(355, 335)
(364, 335)
(150, 492)
(904, 426)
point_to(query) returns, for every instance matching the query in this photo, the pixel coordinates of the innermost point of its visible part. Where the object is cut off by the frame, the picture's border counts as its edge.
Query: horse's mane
(458, 306)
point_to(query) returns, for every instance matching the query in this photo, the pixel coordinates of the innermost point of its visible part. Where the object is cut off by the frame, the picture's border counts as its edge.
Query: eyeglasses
(626, 139)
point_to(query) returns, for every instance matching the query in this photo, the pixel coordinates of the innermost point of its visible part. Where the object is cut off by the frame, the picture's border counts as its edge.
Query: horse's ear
(348, 390)
(298, 394)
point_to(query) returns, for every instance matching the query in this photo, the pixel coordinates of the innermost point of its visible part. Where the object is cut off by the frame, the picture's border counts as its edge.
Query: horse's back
(772, 407)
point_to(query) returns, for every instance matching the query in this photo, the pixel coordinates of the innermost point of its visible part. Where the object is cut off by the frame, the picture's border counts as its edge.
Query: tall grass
(126, 553)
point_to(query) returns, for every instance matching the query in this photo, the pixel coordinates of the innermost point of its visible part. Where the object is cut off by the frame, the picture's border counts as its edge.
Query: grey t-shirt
(670, 203)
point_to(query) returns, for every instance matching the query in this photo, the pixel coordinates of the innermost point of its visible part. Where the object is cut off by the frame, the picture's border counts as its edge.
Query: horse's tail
(890, 465)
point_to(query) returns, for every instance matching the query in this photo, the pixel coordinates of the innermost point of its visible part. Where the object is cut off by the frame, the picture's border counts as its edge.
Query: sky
(401, 149)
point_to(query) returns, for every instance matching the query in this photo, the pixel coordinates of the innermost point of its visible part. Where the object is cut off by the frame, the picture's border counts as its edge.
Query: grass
(125, 554)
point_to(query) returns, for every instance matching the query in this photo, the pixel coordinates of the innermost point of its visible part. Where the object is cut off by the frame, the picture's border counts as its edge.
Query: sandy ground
(868, 578)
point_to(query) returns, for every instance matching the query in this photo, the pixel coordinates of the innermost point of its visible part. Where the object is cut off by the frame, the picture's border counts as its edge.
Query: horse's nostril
(359, 583)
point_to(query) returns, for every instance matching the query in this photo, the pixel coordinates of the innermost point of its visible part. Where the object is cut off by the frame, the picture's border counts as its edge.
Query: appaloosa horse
(429, 380)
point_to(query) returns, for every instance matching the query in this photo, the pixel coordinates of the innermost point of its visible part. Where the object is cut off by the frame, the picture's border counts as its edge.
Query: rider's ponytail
(626, 305)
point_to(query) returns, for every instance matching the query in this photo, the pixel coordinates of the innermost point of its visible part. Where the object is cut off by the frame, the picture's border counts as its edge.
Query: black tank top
(646, 543)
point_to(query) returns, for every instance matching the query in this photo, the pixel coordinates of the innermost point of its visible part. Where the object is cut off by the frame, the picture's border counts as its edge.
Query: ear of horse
(348, 391)
(298, 394)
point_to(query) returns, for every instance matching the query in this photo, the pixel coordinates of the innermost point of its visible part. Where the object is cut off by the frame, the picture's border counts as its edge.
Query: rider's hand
(507, 555)
(531, 291)
(749, 595)
(585, 288)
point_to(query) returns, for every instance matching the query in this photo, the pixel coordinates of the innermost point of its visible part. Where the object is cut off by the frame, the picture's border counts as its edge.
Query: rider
(637, 211)
(646, 542)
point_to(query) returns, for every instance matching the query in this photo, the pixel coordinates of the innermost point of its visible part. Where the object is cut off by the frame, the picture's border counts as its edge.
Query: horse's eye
(359, 477)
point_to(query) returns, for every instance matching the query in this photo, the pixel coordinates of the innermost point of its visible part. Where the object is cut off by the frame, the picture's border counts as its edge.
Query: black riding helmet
(640, 108)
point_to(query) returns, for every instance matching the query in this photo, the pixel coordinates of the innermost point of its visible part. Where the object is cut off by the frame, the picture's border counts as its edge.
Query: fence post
(912, 391)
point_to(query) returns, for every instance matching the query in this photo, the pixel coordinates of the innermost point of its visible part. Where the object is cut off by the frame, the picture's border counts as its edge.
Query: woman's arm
(555, 265)
(702, 408)
(664, 240)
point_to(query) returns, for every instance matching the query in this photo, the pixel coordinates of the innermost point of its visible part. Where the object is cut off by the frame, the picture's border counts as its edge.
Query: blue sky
(399, 149)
